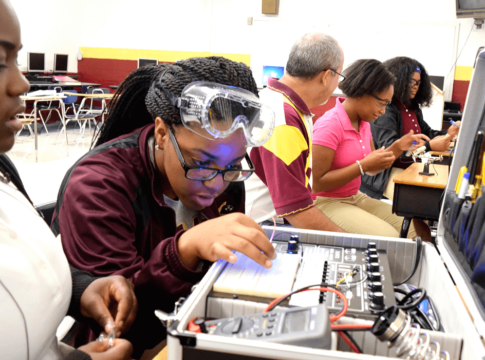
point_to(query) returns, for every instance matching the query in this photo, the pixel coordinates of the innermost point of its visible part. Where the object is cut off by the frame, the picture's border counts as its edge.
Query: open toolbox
(445, 271)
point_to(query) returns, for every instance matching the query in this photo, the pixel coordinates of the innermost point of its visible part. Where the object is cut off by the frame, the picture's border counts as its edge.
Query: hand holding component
(121, 349)
(215, 239)
(378, 160)
(111, 301)
(411, 148)
(406, 141)
(441, 143)
(454, 128)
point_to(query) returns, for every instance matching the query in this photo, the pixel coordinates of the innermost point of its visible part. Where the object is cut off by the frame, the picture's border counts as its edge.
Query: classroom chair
(50, 107)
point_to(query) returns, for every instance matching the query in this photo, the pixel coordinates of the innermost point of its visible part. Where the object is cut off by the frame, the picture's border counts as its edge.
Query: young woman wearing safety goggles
(147, 201)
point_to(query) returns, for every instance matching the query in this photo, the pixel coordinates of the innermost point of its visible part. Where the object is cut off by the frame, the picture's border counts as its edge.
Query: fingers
(250, 250)
(95, 347)
(242, 240)
(421, 137)
(122, 349)
(247, 221)
(100, 313)
(251, 231)
(222, 252)
(122, 292)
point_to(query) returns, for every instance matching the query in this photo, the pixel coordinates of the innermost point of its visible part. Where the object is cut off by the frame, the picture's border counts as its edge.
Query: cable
(353, 341)
(350, 327)
(466, 41)
(417, 260)
(344, 278)
(349, 342)
(411, 306)
(435, 314)
(350, 284)
(404, 304)
(277, 301)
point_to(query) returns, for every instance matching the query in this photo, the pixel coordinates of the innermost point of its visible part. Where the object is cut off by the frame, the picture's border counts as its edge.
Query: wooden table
(63, 84)
(95, 95)
(36, 99)
(418, 196)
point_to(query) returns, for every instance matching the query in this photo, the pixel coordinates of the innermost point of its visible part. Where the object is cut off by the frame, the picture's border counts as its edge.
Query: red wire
(346, 339)
(332, 317)
(351, 326)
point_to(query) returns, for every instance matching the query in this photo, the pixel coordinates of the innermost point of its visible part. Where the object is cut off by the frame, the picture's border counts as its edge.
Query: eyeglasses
(380, 104)
(340, 76)
(203, 173)
(414, 82)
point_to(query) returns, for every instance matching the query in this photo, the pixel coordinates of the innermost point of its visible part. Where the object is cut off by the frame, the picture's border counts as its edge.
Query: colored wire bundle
(279, 300)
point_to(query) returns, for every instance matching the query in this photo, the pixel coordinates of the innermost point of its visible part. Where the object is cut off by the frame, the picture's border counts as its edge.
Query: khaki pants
(360, 214)
(389, 190)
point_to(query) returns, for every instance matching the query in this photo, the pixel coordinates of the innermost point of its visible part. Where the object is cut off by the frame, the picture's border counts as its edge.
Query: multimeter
(302, 326)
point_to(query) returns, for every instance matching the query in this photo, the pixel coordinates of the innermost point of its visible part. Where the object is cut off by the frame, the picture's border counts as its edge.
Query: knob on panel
(375, 286)
(372, 252)
(373, 267)
(371, 245)
(374, 276)
(377, 301)
(373, 258)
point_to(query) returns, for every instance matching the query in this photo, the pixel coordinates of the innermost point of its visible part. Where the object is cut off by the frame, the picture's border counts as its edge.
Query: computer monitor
(36, 62)
(438, 81)
(470, 9)
(145, 62)
(60, 63)
(272, 71)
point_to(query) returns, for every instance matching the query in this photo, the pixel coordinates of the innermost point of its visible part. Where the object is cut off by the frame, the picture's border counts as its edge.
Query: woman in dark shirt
(411, 91)
(147, 201)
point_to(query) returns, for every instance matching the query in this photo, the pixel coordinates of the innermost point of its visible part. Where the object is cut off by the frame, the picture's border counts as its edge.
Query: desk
(69, 84)
(36, 99)
(96, 95)
(114, 87)
(418, 196)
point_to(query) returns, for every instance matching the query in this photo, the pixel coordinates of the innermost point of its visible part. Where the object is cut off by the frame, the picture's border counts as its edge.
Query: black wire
(404, 304)
(420, 314)
(412, 308)
(299, 290)
(417, 260)
(352, 340)
(350, 329)
(420, 320)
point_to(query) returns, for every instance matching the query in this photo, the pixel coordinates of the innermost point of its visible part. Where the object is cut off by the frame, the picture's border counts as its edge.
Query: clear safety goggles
(215, 111)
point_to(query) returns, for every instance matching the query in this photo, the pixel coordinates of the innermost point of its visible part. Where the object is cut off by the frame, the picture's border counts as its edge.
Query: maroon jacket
(112, 223)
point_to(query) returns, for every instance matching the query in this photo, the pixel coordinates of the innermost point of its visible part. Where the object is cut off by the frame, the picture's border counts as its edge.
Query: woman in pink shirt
(343, 150)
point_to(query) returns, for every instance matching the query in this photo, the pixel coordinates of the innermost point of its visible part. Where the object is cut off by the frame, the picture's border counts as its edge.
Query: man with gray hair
(281, 184)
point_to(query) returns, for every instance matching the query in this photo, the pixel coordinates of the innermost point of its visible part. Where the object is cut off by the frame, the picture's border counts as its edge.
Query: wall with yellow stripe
(109, 66)
(463, 75)
(161, 55)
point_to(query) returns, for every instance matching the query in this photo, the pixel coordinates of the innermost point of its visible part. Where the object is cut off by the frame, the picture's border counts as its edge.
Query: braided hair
(403, 68)
(140, 99)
